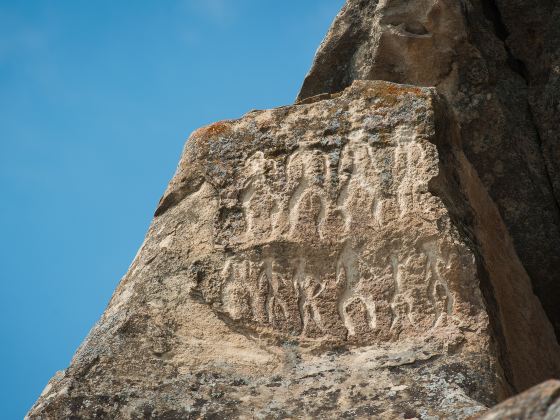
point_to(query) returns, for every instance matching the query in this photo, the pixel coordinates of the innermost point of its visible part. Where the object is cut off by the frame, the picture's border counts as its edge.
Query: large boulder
(324, 259)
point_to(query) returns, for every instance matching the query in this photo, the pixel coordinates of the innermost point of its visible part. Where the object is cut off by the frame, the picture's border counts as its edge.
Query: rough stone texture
(541, 402)
(498, 64)
(534, 38)
(308, 260)
(369, 252)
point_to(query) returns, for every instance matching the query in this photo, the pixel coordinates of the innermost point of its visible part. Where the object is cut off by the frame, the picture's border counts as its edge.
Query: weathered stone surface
(369, 252)
(497, 63)
(310, 260)
(534, 38)
(540, 402)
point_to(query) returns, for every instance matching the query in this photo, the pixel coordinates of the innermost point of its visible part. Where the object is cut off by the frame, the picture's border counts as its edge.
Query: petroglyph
(364, 294)
(360, 185)
(259, 203)
(307, 204)
(329, 239)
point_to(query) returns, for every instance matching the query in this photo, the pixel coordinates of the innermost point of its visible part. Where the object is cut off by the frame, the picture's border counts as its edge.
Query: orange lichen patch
(213, 130)
(391, 94)
(394, 90)
(398, 89)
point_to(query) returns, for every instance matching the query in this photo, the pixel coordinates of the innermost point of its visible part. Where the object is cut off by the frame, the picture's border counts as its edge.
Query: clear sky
(96, 101)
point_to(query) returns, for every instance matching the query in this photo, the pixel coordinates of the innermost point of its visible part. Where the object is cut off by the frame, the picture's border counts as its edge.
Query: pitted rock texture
(497, 63)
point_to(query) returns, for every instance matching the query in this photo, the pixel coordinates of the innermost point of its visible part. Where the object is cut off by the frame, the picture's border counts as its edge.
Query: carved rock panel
(328, 231)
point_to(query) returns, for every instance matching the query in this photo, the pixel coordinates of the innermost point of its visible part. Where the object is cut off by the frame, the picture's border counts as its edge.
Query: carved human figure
(359, 197)
(360, 317)
(310, 289)
(439, 268)
(328, 301)
(308, 205)
(441, 302)
(283, 310)
(401, 321)
(236, 296)
(356, 304)
(378, 281)
(261, 296)
(408, 160)
(259, 203)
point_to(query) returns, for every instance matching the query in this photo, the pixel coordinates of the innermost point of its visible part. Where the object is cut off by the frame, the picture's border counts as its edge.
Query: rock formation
(498, 64)
(370, 251)
(540, 402)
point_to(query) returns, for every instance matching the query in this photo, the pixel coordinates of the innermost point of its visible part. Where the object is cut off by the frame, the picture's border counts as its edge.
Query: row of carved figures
(321, 190)
(357, 297)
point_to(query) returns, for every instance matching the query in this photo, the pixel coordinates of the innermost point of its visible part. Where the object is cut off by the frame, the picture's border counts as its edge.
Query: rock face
(308, 260)
(540, 402)
(498, 64)
(353, 255)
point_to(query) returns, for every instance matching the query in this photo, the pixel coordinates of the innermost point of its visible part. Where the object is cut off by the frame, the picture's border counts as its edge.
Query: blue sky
(96, 101)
